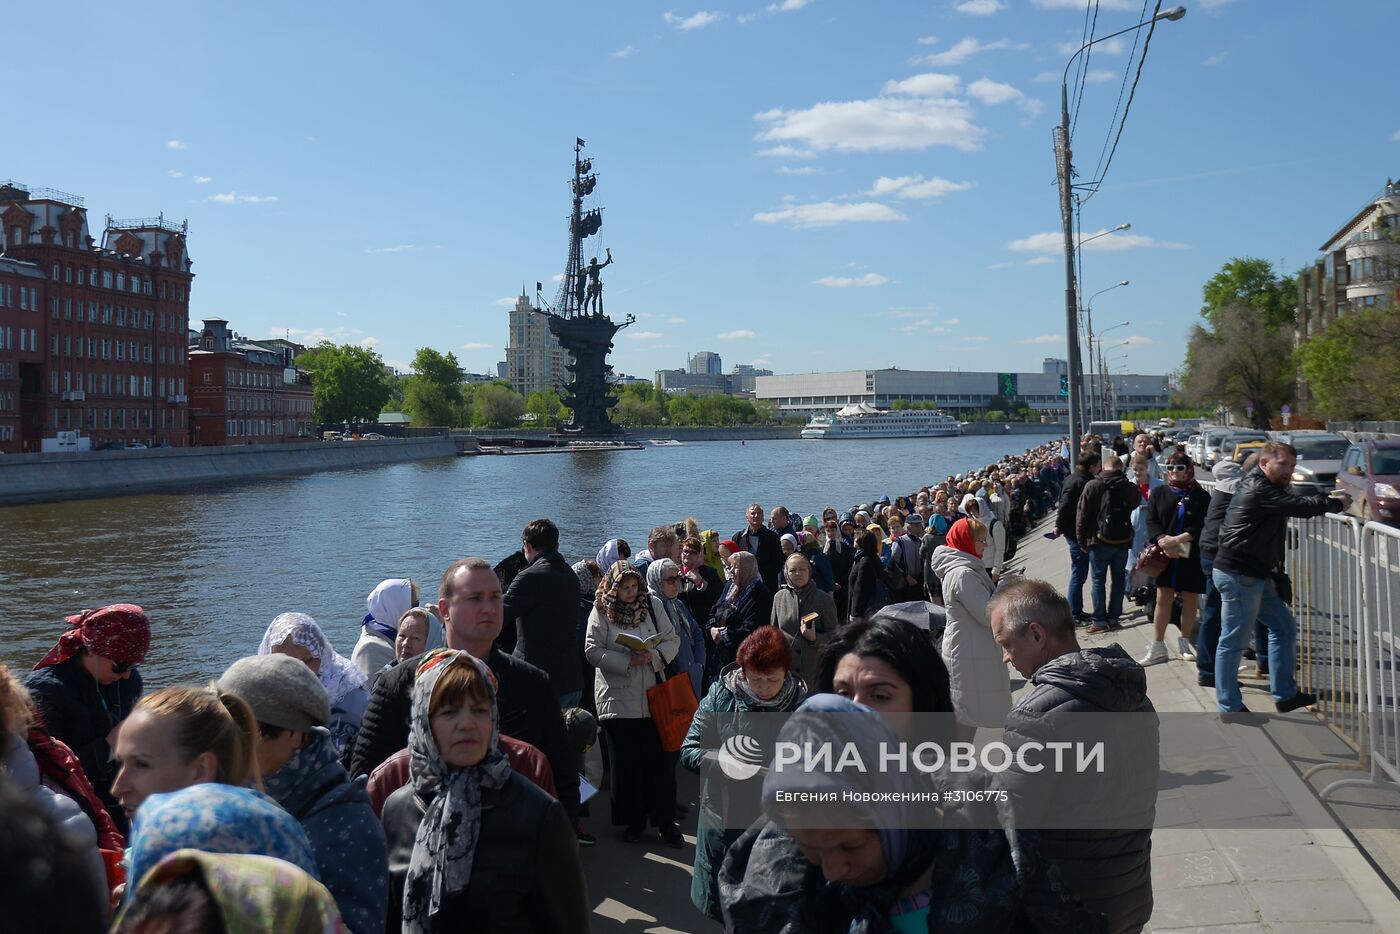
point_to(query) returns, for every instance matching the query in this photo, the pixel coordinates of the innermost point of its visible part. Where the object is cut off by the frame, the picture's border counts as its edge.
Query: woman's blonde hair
(212, 721)
(977, 529)
(16, 712)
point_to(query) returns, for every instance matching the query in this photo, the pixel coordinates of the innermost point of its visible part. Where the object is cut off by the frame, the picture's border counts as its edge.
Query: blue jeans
(570, 700)
(1244, 599)
(1208, 635)
(1078, 573)
(1103, 559)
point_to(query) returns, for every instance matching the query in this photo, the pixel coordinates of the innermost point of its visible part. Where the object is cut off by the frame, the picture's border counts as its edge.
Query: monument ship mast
(577, 318)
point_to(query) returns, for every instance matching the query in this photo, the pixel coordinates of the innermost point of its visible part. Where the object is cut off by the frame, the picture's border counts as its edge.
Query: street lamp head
(1123, 227)
(1125, 282)
(1174, 14)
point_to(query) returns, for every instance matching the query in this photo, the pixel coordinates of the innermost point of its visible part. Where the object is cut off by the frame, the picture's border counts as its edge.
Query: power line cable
(1094, 185)
(1083, 82)
(1122, 86)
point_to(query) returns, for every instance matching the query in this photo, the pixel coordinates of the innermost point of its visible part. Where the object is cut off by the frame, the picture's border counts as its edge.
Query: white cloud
(976, 339)
(927, 40)
(1216, 59)
(504, 301)
(1215, 4)
(175, 144)
(741, 334)
(1046, 76)
(174, 174)
(371, 342)
(828, 213)
(1079, 4)
(675, 320)
(952, 321)
(979, 7)
(931, 84)
(644, 335)
(202, 179)
(557, 278)
(1106, 47)
(787, 152)
(995, 92)
(1039, 261)
(1044, 339)
(475, 345)
(799, 170)
(743, 19)
(258, 199)
(1136, 340)
(396, 248)
(842, 282)
(884, 123)
(1395, 137)
(787, 6)
(695, 21)
(1006, 265)
(624, 52)
(907, 187)
(1092, 242)
(227, 198)
(964, 49)
(1100, 75)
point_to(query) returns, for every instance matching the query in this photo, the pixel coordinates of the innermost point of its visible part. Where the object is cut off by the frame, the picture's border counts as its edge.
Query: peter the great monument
(577, 316)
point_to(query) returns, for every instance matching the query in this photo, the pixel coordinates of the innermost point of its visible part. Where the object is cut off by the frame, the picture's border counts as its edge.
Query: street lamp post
(1064, 160)
(1089, 321)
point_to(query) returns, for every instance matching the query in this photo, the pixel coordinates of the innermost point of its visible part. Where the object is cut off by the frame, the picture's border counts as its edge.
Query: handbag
(1152, 561)
(672, 703)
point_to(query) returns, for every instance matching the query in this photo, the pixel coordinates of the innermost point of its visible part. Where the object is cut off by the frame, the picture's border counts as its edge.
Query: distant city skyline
(889, 201)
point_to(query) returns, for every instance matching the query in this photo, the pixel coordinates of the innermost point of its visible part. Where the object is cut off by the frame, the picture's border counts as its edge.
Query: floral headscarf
(681, 620)
(623, 615)
(216, 818)
(445, 844)
(338, 676)
(120, 632)
(253, 894)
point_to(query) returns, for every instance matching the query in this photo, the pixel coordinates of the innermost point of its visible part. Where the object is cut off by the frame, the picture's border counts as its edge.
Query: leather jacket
(1252, 535)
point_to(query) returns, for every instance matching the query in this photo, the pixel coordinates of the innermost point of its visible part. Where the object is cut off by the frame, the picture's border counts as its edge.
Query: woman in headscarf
(761, 681)
(746, 604)
(472, 844)
(664, 583)
(631, 640)
(191, 890)
(861, 868)
(216, 818)
(980, 684)
(1176, 516)
(805, 614)
(87, 684)
(387, 603)
(298, 635)
(710, 539)
(613, 551)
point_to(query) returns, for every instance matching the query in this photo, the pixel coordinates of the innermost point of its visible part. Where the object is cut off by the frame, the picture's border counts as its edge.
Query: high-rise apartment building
(534, 360)
(705, 363)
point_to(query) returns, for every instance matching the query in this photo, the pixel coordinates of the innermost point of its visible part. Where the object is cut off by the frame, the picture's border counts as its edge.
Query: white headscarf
(338, 676)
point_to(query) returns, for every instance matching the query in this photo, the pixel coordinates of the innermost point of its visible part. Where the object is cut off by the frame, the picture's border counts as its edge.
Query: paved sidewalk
(1257, 853)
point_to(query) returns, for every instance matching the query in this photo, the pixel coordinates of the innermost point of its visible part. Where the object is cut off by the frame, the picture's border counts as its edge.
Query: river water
(213, 565)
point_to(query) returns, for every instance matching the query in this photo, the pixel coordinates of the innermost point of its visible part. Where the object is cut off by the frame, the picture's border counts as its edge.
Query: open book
(633, 644)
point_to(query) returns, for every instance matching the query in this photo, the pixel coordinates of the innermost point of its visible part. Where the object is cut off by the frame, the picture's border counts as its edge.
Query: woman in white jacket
(980, 684)
(993, 551)
(643, 774)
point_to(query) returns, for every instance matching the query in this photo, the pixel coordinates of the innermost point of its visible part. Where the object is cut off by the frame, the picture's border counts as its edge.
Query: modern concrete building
(246, 392)
(956, 392)
(1359, 267)
(741, 379)
(111, 323)
(535, 362)
(688, 382)
(705, 362)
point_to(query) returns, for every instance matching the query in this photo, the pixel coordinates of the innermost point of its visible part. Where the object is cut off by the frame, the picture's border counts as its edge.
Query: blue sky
(807, 184)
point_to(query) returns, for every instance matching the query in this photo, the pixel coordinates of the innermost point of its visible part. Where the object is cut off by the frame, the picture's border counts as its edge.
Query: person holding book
(630, 640)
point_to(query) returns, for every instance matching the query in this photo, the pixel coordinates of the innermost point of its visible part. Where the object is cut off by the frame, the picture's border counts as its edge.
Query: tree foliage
(1242, 362)
(348, 383)
(496, 405)
(716, 409)
(547, 408)
(1353, 366)
(1251, 281)
(433, 394)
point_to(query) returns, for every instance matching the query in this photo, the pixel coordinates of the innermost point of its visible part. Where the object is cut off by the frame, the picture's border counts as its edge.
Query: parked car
(1371, 474)
(372, 436)
(330, 436)
(136, 446)
(1320, 456)
(1207, 450)
(1243, 449)
(1233, 439)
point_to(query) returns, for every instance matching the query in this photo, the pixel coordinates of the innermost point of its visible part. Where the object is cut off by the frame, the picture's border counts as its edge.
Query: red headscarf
(960, 537)
(120, 632)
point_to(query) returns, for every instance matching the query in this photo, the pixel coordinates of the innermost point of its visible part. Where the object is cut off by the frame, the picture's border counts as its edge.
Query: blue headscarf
(215, 818)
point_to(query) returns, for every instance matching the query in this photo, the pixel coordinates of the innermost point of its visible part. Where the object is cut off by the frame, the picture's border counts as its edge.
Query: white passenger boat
(865, 421)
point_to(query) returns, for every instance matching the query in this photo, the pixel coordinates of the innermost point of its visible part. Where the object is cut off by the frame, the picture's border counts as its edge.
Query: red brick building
(112, 323)
(21, 337)
(246, 392)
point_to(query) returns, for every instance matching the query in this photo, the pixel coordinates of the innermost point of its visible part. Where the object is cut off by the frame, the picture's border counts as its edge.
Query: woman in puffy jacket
(980, 684)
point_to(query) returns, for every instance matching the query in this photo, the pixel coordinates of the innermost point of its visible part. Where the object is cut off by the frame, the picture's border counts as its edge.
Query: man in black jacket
(470, 604)
(1085, 471)
(1250, 551)
(763, 543)
(1104, 527)
(541, 613)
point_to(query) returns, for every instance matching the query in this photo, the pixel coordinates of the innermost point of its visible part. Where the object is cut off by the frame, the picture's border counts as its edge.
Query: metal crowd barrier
(1346, 582)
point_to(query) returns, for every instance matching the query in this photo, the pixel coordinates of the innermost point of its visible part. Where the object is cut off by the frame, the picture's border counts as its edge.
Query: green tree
(1243, 363)
(1353, 366)
(547, 407)
(433, 394)
(496, 405)
(348, 383)
(1250, 281)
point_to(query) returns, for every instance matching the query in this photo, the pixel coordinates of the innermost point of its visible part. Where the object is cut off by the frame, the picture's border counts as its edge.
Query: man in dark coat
(470, 605)
(1085, 471)
(1104, 527)
(1096, 827)
(540, 613)
(763, 543)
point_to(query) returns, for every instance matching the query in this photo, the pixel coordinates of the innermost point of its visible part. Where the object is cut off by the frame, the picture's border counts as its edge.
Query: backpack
(1115, 518)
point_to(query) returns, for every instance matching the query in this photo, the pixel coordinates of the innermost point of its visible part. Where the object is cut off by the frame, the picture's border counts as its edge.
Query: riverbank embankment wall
(755, 433)
(30, 478)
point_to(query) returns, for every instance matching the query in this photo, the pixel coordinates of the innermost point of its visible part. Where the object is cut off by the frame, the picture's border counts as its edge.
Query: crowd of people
(431, 781)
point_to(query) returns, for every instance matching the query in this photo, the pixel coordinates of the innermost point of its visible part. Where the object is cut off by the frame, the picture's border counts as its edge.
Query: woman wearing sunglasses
(87, 685)
(1176, 514)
